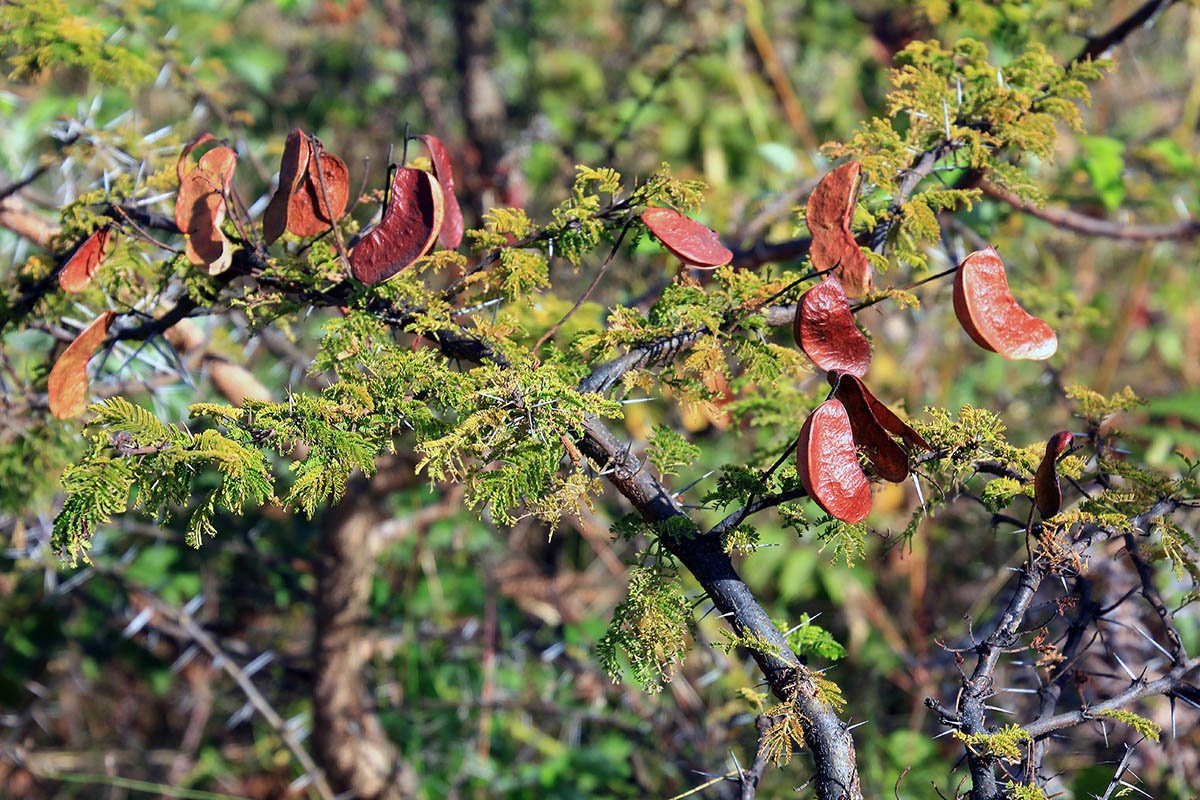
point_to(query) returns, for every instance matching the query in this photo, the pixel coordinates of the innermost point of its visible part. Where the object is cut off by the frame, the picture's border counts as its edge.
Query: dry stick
(751, 777)
(1094, 226)
(913, 285)
(144, 234)
(595, 282)
(1099, 45)
(317, 149)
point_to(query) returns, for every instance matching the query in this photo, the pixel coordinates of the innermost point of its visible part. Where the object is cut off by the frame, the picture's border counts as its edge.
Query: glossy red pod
(67, 385)
(824, 329)
(888, 459)
(451, 233)
(884, 415)
(990, 315)
(827, 463)
(692, 243)
(1047, 493)
(81, 267)
(828, 213)
(410, 225)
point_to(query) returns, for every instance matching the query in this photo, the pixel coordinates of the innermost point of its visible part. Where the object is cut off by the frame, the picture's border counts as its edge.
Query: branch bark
(1094, 226)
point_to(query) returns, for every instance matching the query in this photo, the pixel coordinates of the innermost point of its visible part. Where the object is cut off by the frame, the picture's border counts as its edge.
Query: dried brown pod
(824, 329)
(694, 244)
(81, 267)
(1047, 493)
(827, 463)
(990, 315)
(451, 233)
(206, 243)
(200, 209)
(293, 167)
(181, 166)
(68, 377)
(410, 224)
(888, 459)
(308, 213)
(885, 416)
(829, 212)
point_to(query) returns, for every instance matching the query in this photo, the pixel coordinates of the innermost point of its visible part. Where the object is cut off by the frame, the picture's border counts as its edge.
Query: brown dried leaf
(884, 415)
(410, 223)
(181, 165)
(68, 377)
(205, 211)
(81, 267)
(451, 233)
(887, 458)
(824, 329)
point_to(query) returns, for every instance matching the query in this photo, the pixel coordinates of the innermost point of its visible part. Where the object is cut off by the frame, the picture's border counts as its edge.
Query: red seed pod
(451, 233)
(410, 223)
(888, 459)
(67, 384)
(828, 213)
(694, 244)
(827, 462)
(824, 329)
(81, 267)
(989, 313)
(884, 415)
(1047, 493)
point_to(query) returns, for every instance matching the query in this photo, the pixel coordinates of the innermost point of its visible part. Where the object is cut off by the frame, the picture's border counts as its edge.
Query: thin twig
(595, 282)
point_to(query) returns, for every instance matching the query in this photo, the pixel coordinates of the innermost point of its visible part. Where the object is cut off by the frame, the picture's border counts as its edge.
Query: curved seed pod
(410, 223)
(308, 214)
(181, 164)
(888, 459)
(824, 329)
(883, 415)
(692, 243)
(68, 377)
(81, 267)
(829, 212)
(1047, 493)
(293, 168)
(827, 463)
(203, 212)
(451, 233)
(989, 313)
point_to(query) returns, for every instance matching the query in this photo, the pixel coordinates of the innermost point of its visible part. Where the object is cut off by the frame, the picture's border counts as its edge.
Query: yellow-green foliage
(650, 628)
(1140, 724)
(44, 34)
(1008, 743)
(954, 102)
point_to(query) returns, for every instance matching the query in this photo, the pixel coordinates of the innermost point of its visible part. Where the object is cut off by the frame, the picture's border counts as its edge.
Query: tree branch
(1093, 226)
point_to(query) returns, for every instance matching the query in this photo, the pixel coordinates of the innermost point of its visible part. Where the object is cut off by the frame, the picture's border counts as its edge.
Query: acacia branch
(836, 773)
(1094, 226)
(1097, 46)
